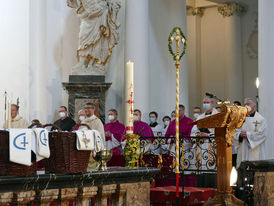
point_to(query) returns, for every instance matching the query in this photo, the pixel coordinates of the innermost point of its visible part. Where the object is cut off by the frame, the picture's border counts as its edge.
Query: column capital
(196, 11)
(229, 9)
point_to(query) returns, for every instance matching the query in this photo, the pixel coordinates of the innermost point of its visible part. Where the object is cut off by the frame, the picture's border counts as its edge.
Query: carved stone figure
(98, 34)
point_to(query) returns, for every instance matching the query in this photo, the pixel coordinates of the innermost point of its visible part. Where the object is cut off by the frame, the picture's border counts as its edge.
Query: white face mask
(81, 118)
(62, 114)
(196, 115)
(166, 122)
(110, 117)
(248, 108)
(135, 118)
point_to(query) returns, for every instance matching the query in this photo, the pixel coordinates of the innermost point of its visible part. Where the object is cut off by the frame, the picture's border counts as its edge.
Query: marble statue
(98, 34)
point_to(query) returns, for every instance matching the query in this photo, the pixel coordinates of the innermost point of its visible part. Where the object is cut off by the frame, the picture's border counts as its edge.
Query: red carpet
(193, 195)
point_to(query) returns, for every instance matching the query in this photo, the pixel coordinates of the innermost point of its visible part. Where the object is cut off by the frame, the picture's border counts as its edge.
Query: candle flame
(233, 177)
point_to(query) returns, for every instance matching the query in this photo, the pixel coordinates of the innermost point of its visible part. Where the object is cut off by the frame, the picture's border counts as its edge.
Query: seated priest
(81, 117)
(250, 138)
(157, 129)
(140, 127)
(113, 132)
(16, 120)
(95, 124)
(65, 122)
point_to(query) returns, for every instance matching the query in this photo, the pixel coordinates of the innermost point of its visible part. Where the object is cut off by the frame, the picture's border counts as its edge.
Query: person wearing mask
(208, 106)
(156, 128)
(65, 122)
(207, 147)
(166, 121)
(81, 117)
(196, 113)
(114, 131)
(250, 138)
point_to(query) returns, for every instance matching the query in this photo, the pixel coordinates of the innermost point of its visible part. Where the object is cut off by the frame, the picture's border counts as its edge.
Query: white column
(266, 69)
(137, 51)
(164, 16)
(233, 58)
(194, 58)
(38, 99)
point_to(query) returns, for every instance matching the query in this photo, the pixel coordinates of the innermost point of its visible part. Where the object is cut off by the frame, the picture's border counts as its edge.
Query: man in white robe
(250, 138)
(94, 123)
(209, 109)
(16, 120)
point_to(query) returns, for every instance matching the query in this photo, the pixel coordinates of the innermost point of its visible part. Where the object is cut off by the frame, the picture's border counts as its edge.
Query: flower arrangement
(132, 150)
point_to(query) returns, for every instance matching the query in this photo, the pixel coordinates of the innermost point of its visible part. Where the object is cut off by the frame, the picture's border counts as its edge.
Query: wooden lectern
(225, 124)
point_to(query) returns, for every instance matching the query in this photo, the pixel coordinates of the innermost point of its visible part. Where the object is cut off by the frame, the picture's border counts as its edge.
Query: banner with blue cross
(20, 146)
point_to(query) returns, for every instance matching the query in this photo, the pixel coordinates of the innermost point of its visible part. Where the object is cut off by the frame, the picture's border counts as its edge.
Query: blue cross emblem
(43, 138)
(24, 142)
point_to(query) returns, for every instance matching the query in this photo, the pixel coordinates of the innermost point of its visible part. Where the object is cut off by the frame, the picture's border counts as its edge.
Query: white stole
(42, 143)
(20, 146)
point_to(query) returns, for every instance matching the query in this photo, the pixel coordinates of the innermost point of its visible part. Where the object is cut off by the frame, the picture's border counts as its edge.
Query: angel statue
(98, 34)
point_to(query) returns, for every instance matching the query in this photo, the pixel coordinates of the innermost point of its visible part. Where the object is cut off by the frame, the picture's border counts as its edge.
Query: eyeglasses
(88, 107)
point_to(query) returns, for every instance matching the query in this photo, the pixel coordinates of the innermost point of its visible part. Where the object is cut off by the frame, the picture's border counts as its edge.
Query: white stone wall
(219, 61)
(14, 53)
(40, 40)
(266, 70)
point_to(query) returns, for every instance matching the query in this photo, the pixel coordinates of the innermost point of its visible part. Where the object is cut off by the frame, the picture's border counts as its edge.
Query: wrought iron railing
(199, 154)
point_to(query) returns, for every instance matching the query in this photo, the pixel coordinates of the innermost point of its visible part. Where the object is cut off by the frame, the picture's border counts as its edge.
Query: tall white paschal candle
(9, 114)
(129, 97)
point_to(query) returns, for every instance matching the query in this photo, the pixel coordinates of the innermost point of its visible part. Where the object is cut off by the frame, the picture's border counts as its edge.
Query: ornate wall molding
(230, 9)
(196, 11)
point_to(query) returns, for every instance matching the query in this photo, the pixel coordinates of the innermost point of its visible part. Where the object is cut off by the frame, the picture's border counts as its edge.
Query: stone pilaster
(104, 194)
(85, 194)
(5, 198)
(65, 195)
(45, 197)
(23, 198)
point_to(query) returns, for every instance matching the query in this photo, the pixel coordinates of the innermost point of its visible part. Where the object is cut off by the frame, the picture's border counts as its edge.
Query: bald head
(251, 103)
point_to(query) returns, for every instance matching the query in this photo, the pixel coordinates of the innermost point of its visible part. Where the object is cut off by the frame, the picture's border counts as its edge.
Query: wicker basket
(10, 168)
(64, 157)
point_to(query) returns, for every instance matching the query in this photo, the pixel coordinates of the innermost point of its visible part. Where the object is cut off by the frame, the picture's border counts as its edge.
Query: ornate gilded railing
(199, 153)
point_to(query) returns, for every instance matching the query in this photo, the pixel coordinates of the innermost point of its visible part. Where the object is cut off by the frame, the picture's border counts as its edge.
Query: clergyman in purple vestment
(140, 127)
(185, 127)
(114, 131)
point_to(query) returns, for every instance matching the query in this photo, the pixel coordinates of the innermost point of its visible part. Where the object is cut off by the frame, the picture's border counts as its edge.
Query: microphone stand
(5, 95)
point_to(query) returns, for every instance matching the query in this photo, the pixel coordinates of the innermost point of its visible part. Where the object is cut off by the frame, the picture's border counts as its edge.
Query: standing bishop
(250, 138)
(16, 120)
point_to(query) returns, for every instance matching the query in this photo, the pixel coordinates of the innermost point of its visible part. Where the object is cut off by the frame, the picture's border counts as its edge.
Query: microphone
(212, 96)
(209, 95)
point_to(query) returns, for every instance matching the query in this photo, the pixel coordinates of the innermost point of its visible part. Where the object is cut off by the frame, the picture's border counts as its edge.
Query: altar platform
(118, 186)
(190, 196)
